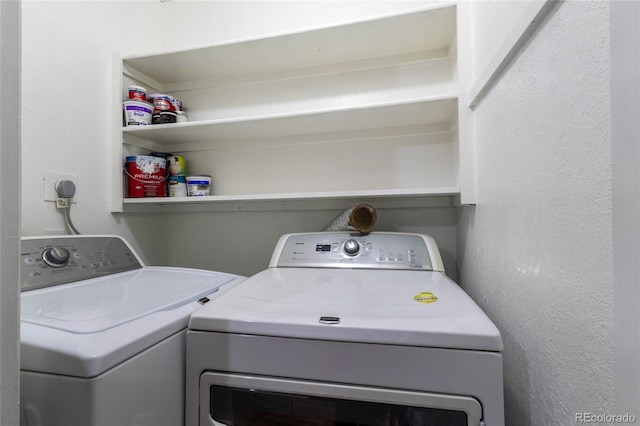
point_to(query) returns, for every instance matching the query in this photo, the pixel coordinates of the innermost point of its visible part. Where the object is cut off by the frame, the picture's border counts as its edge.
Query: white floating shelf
(422, 30)
(424, 113)
(333, 195)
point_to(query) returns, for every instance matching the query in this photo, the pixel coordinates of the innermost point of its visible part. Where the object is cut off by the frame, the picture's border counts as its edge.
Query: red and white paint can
(162, 102)
(146, 176)
(137, 93)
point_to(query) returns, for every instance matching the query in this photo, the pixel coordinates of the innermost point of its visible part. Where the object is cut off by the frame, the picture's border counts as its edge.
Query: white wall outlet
(50, 179)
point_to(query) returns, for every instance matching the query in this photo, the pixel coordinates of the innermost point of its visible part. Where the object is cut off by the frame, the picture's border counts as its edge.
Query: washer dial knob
(351, 247)
(56, 257)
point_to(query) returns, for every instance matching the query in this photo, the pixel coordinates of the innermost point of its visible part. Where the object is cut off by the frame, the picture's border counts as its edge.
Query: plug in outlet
(50, 180)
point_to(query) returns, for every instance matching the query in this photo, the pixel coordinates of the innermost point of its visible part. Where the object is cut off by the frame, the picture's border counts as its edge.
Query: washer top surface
(404, 306)
(104, 306)
(86, 327)
(98, 304)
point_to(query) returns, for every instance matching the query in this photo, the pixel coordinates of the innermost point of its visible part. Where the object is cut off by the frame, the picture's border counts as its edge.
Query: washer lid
(84, 328)
(416, 308)
(98, 304)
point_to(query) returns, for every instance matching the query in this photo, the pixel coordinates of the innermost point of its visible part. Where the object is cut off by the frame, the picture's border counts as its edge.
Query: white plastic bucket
(198, 186)
(137, 113)
(137, 93)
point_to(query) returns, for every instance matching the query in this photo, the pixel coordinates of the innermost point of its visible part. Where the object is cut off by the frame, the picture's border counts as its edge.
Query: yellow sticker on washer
(425, 297)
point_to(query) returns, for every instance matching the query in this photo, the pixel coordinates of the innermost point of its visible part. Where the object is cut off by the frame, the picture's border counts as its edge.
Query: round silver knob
(56, 257)
(351, 248)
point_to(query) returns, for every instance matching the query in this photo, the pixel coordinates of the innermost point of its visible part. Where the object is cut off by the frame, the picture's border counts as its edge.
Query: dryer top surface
(400, 307)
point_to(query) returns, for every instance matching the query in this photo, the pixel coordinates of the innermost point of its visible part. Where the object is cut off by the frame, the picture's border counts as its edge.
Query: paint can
(177, 186)
(167, 117)
(137, 93)
(162, 102)
(166, 156)
(137, 113)
(146, 176)
(198, 186)
(164, 117)
(177, 165)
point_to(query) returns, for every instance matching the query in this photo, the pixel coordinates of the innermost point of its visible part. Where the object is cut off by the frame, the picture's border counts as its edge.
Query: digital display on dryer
(323, 247)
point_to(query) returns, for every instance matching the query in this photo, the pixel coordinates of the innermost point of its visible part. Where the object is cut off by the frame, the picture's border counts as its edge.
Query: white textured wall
(536, 251)
(67, 49)
(203, 23)
(242, 241)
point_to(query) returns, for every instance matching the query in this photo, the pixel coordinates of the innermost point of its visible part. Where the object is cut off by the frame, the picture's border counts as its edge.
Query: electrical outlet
(50, 179)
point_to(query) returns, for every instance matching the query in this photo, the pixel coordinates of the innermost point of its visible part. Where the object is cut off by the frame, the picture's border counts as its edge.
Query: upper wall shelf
(419, 35)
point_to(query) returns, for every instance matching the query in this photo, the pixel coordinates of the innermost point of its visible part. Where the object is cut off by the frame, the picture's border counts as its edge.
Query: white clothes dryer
(103, 335)
(344, 329)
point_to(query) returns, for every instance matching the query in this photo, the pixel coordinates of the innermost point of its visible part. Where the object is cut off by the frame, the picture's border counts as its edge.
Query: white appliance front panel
(322, 402)
(477, 374)
(147, 389)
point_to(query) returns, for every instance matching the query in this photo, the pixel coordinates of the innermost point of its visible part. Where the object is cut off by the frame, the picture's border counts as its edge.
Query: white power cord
(66, 189)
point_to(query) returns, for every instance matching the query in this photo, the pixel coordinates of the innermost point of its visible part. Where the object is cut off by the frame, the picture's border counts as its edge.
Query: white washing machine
(345, 329)
(102, 335)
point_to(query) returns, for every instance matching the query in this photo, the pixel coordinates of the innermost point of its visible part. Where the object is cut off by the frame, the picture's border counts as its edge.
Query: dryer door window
(228, 399)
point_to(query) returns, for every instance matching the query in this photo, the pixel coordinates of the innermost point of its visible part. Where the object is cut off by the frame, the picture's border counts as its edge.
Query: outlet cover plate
(50, 179)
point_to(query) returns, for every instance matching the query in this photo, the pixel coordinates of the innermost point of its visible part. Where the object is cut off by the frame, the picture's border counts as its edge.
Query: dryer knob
(351, 248)
(56, 257)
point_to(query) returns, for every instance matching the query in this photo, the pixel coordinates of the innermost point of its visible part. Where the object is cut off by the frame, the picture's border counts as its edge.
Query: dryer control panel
(346, 250)
(54, 260)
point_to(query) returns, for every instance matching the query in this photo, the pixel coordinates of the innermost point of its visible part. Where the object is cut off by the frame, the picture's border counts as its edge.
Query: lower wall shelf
(414, 197)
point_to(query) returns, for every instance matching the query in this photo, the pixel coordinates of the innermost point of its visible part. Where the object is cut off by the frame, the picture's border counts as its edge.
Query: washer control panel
(49, 261)
(346, 250)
